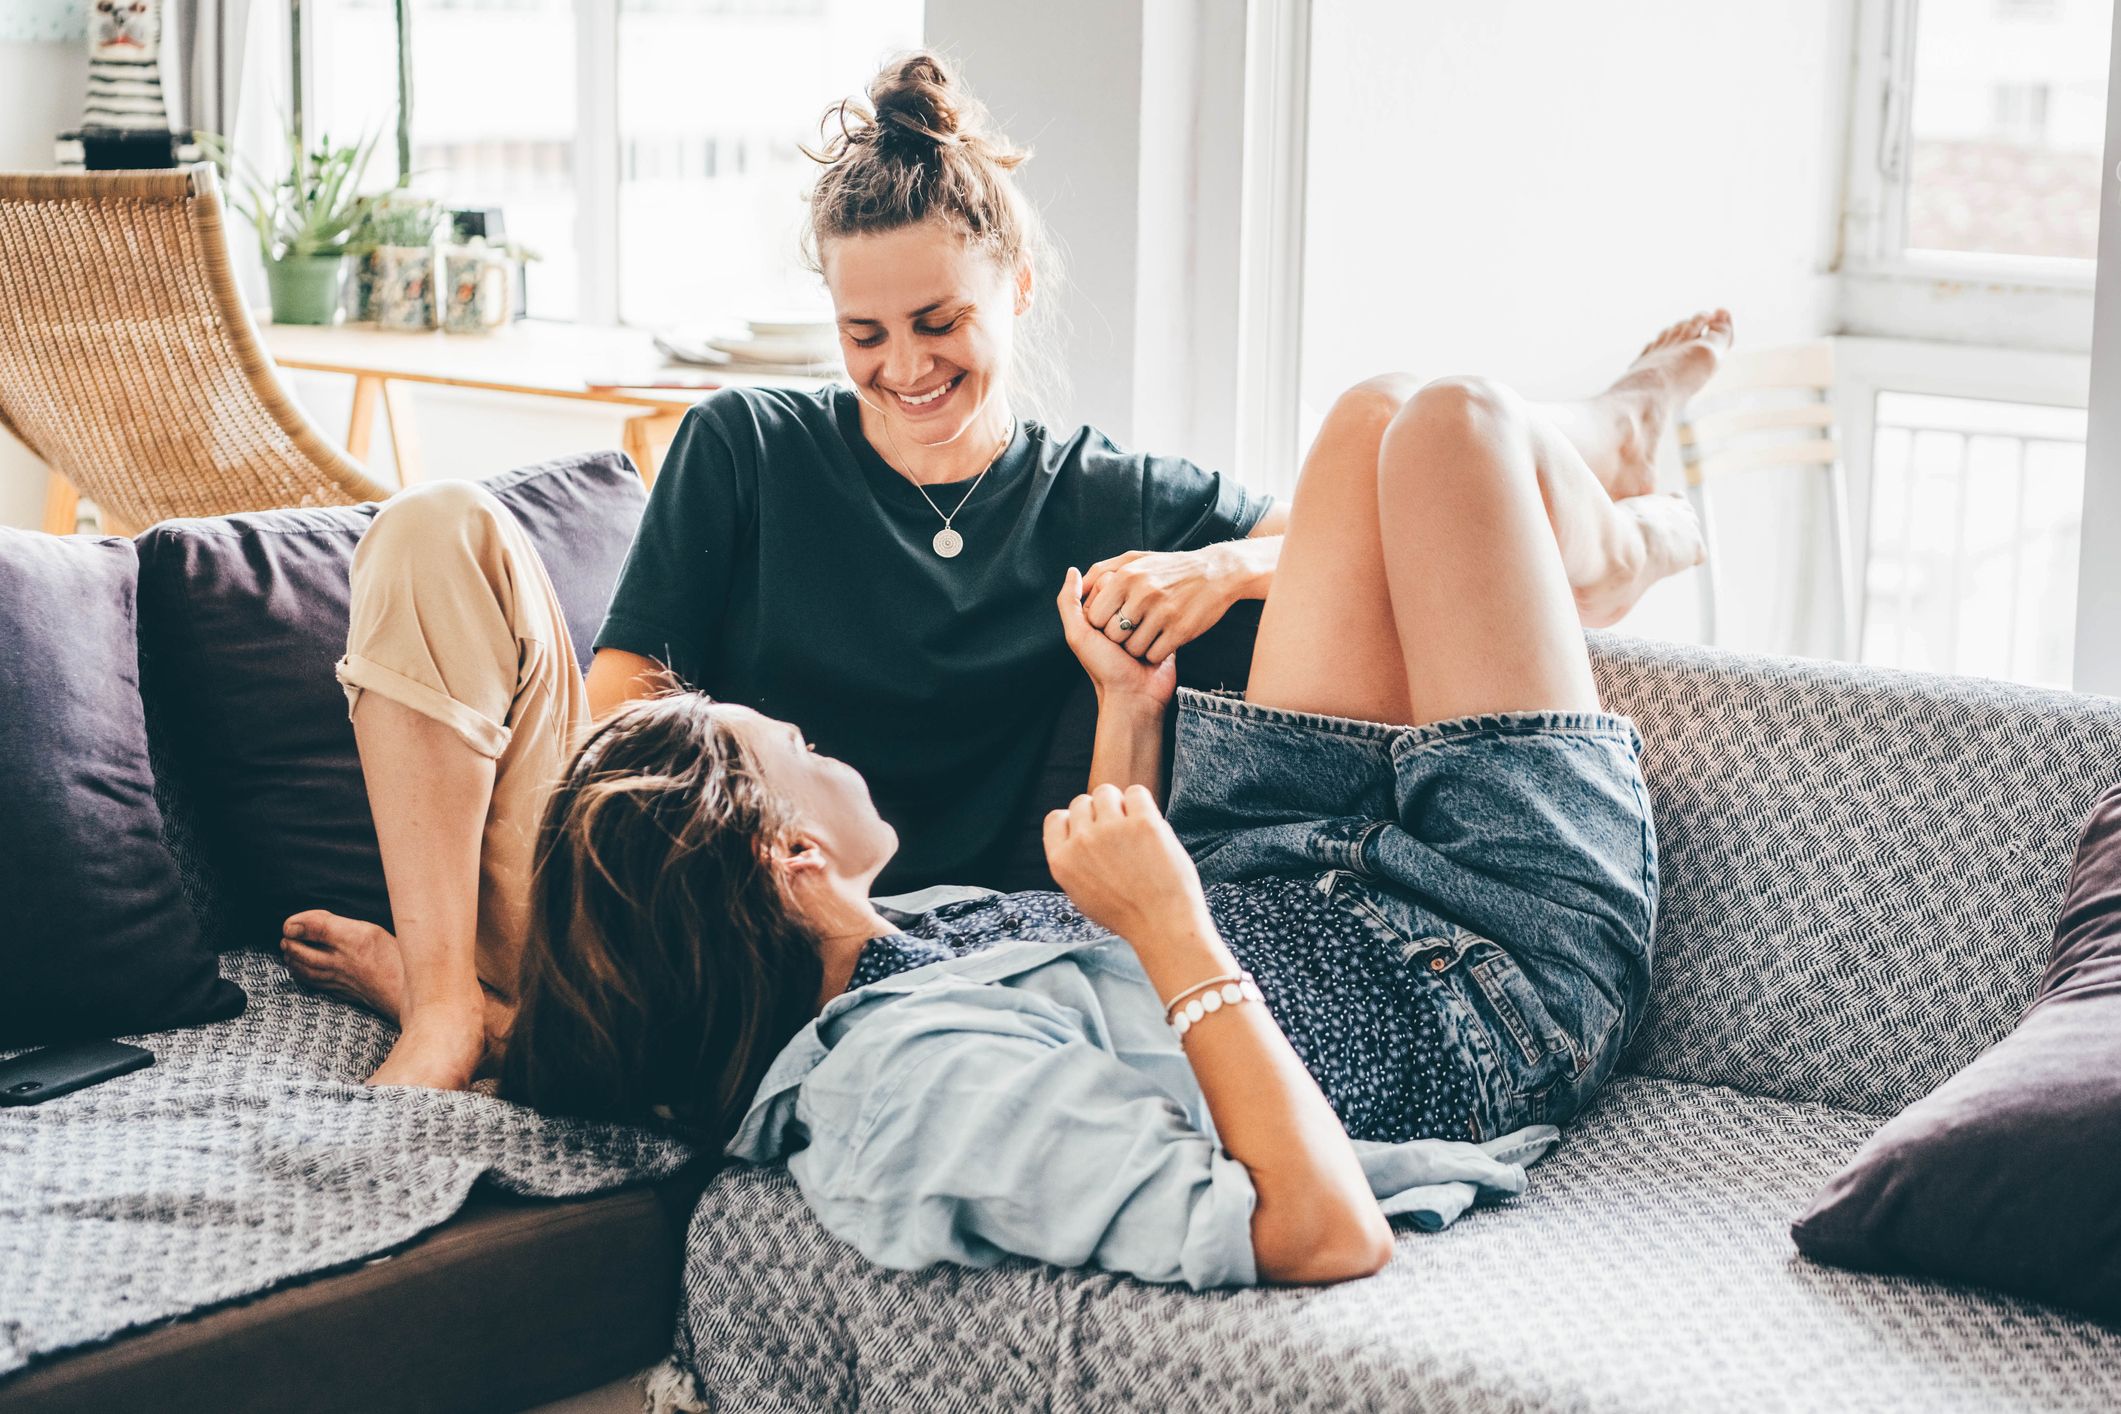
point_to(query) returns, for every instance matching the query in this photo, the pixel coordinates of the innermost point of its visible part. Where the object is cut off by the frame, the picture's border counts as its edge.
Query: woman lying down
(1353, 970)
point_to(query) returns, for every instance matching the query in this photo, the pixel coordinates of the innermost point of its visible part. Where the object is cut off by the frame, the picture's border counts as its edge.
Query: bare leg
(1331, 577)
(1479, 599)
(360, 963)
(466, 700)
(1467, 584)
(1617, 432)
(1333, 572)
(430, 794)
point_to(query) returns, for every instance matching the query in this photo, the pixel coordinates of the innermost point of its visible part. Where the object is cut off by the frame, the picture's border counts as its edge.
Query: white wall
(41, 88)
(1191, 193)
(1529, 189)
(1066, 80)
(1136, 109)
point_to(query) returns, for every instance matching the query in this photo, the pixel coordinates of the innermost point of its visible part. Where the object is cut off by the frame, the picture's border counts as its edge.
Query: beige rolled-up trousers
(455, 618)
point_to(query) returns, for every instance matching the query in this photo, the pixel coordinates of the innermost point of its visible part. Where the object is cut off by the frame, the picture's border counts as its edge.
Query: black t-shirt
(783, 564)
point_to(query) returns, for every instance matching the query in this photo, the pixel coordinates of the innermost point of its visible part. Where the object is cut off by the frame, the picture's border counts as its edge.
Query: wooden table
(617, 367)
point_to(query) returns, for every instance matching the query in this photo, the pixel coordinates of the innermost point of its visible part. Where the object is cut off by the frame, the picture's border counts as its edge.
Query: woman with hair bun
(875, 563)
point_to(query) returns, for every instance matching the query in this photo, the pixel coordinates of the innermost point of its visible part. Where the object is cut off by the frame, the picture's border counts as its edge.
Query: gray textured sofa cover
(1861, 870)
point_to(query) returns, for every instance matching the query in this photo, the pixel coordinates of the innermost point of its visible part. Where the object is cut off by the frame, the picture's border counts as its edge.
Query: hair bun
(916, 98)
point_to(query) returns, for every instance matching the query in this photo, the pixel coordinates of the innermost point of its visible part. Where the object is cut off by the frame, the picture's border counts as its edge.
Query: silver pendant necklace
(947, 542)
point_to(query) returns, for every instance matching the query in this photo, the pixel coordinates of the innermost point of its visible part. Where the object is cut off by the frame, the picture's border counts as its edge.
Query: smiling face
(927, 325)
(828, 798)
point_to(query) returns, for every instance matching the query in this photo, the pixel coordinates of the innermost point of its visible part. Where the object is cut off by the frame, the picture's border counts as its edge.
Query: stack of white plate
(786, 345)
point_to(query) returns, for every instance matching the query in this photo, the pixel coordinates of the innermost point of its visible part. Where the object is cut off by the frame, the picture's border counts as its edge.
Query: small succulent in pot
(396, 220)
(400, 218)
(304, 220)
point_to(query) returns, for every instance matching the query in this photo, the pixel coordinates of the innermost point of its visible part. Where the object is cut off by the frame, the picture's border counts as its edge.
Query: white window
(1970, 246)
(1974, 171)
(647, 150)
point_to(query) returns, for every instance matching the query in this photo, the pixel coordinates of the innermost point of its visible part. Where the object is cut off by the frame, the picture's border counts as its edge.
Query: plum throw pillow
(241, 621)
(2009, 1175)
(95, 936)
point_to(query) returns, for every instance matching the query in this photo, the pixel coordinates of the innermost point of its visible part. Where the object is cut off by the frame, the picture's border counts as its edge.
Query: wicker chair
(130, 365)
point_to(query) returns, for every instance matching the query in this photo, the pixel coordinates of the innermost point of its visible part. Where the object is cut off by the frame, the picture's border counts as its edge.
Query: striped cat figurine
(125, 67)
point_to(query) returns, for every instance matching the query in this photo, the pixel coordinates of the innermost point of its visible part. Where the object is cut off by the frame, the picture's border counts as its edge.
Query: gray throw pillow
(95, 937)
(241, 621)
(2009, 1174)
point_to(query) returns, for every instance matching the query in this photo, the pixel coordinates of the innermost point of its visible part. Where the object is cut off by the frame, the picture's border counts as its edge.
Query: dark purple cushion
(2009, 1174)
(95, 938)
(241, 621)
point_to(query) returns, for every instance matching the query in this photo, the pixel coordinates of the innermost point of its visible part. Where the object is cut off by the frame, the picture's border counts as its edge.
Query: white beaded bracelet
(1214, 999)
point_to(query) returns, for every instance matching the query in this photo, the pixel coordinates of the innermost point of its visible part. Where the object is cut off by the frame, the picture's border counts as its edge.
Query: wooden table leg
(638, 447)
(646, 438)
(62, 506)
(362, 425)
(404, 437)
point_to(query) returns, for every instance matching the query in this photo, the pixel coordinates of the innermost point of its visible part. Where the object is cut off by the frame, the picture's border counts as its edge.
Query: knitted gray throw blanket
(250, 1155)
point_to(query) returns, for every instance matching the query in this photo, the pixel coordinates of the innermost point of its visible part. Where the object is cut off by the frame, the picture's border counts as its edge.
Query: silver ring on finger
(1127, 625)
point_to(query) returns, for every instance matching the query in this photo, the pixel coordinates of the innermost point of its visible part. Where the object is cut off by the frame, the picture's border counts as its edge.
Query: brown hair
(664, 970)
(919, 149)
(922, 148)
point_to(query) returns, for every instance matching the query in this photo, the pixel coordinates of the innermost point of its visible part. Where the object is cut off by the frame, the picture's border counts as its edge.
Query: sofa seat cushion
(242, 619)
(95, 939)
(1648, 1266)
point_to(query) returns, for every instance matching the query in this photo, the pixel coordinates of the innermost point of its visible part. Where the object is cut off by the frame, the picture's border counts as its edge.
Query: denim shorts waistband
(1235, 707)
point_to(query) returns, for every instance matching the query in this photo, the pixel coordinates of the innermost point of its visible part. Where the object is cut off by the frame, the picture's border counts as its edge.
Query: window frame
(1271, 238)
(1887, 291)
(596, 155)
(598, 178)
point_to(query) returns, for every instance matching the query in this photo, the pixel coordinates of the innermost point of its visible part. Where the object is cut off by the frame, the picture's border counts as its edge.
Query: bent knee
(1372, 404)
(1465, 402)
(1459, 415)
(430, 516)
(1458, 434)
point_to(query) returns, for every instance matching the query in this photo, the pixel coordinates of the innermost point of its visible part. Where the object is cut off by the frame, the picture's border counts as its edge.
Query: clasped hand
(1118, 674)
(1169, 597)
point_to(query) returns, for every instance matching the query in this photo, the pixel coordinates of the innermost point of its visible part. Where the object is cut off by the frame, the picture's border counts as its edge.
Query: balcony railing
(1975, 513)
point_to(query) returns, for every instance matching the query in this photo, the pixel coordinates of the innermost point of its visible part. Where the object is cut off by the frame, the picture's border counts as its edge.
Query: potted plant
(303, 220)
(399, 222)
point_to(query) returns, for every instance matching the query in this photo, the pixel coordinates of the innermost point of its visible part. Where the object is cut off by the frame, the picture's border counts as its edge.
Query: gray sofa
(1860, 869)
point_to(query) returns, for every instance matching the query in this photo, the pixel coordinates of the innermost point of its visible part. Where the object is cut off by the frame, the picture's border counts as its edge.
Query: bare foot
(354, 961)
(438, 1051)
(1670, 542)
(1670, 369)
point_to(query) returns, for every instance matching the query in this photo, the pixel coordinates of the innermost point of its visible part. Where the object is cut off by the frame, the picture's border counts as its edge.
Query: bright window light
(2006, 127)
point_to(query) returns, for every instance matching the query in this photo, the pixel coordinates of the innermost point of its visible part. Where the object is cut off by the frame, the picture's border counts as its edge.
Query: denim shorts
(1510, 858)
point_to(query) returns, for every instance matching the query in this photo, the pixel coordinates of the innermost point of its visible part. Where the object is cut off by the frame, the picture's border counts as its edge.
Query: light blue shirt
(1029, 1099)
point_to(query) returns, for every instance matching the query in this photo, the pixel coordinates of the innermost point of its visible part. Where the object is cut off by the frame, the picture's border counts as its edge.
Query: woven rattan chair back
(130, 365)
